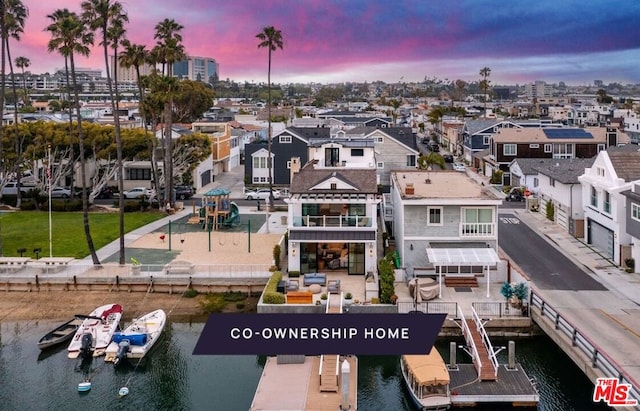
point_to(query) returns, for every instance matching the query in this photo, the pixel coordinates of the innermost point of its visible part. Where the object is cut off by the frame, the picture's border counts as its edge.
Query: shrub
(550, 210)
(233, 296)
(323, 296)
(496, 177)
(213, 303)
(272, 297)
(190, 293)
(348, 296)
(506, 290)
(294, 274)
(240, 306)
(276, 255)
(521, 291)
(386, 279)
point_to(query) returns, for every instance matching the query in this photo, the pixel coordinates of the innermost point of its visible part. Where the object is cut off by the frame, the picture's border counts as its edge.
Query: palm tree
(22, 63)
(109, 17)
(15, 14)
(485, 72)
(169, 47)
(271, 39)
(69, 36)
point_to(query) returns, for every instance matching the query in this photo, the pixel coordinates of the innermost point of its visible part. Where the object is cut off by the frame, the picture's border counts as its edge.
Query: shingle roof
(403, 135)
(626, 161)
(363, 179)
(563, 170)
(306, 133)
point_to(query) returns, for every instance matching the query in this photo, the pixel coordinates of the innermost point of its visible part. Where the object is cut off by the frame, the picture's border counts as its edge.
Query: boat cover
(428, 369)
(134, 339)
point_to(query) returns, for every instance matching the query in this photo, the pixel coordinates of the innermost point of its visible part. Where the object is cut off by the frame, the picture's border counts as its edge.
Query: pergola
(462, 257)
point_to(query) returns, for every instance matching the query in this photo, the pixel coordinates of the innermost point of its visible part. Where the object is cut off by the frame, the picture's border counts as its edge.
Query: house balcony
(332, 221)
(476, 230)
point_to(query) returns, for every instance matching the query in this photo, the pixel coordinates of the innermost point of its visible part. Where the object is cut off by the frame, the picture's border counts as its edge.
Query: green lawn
(30, 230)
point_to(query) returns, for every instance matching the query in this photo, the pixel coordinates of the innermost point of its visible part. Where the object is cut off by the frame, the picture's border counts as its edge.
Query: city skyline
(331, 41)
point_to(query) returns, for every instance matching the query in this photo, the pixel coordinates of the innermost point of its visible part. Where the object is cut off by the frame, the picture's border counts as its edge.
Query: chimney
(409, 190)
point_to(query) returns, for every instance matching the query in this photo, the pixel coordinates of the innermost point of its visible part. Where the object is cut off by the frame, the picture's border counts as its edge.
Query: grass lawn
(30, 230)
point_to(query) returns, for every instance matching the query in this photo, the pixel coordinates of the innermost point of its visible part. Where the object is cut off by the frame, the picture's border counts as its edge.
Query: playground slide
(233, 216)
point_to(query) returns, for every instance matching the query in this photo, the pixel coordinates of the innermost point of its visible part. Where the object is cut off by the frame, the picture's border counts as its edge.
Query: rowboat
(60, 334)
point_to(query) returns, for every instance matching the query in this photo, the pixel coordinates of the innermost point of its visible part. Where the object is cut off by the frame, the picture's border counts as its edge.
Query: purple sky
(367, 40)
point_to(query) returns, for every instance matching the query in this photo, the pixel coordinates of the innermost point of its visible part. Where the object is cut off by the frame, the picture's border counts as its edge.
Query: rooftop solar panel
(566, 133)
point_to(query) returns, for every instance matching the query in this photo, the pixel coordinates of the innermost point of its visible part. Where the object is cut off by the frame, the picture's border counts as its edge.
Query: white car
(60, 192)
(137, 192)
(459, 167)
(261, 194)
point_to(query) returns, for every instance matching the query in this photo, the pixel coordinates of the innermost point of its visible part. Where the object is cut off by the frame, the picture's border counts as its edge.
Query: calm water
(173, 379)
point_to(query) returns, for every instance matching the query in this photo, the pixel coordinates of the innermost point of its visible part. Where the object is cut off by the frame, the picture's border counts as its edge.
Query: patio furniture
(333, 286)
(293, 285)
(314, 278)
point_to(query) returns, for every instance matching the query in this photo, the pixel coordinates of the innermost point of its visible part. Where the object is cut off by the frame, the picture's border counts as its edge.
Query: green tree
(271, 39)
(69, 36)
(192, 100)
(170, 49)
(22, 63)
(485, 72)
(108, 18)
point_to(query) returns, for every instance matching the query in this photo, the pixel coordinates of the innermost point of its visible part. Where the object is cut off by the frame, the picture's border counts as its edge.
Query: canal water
(171, 378)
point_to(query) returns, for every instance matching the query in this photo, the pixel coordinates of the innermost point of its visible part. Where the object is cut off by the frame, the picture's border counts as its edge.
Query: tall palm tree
(108, 17)
(169, 45)
(15, 14)
(69, 36)
(22, 63)
(271, 39)
(485, 72)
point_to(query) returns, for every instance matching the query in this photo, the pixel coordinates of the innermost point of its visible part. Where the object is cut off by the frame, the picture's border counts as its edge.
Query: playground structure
(217, 211)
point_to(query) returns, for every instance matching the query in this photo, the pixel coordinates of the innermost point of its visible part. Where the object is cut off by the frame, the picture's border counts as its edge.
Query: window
(289, 164)
(285, 139)
(594, 197)
(380, 164)
(435, 215)
(552, 182)
(357, 152)
(606, 202)
(535, 181)
(548, 148)
(260, 162)
(563, 150)
(534, 145)
(138, 174)
(486, 140)
(600, 171)
(379, 139)
(635, 211)
(601, 147)
(510, 149)
(411, 160)
(477, 215)
(334, 186)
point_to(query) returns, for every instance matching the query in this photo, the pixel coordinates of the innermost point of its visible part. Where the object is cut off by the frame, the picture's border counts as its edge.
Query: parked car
(60, 192)
(426, 140)
(433, 146)
(261, 194)
(105, 193)
(183, 192)
(448, 158)
(459, 167)
(137, 192)
(11, 189)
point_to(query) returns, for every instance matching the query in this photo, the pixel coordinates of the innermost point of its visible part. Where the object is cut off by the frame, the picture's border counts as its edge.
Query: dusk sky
(368, 40)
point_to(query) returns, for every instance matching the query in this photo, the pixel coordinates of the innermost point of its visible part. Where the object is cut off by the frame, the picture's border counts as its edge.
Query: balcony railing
(477, 229)
(332, 221)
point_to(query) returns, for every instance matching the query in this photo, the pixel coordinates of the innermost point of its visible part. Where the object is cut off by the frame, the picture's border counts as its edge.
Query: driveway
(547, 267)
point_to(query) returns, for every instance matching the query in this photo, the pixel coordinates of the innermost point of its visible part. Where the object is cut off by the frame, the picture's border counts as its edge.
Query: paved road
(548, 268)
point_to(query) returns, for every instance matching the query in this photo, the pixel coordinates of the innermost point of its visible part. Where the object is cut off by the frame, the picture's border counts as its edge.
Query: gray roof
(363, 179)
(474, 126)
(403, 135)
(306, 133)
(563, 170)
(626, 161)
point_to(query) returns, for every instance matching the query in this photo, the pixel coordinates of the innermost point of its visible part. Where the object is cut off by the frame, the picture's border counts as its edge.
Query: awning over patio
(463, 256)
(486, 257)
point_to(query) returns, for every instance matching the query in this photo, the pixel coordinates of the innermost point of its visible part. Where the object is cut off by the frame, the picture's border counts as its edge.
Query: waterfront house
(605, 214)
(440, 213)
(332, 219)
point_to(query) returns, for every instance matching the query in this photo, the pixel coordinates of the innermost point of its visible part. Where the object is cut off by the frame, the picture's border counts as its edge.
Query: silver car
(261, 194)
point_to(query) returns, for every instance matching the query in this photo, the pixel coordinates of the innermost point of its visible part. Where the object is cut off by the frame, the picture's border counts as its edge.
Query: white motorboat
(95, 332)
(135, 341)
(427, 379)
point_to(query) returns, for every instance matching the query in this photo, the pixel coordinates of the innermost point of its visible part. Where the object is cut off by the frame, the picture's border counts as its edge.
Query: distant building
(128, 74)
(204, 69)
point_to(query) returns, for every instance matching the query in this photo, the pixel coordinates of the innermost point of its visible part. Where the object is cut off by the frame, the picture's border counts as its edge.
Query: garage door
(601, 238)
(561, 216)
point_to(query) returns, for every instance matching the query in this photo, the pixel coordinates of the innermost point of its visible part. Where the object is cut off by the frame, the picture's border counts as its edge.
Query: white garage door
(601, 238)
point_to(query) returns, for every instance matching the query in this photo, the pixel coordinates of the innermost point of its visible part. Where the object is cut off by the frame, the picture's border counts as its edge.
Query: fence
(429, 307)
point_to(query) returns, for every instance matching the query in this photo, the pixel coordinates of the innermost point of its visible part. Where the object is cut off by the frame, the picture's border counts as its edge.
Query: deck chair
(333, 286)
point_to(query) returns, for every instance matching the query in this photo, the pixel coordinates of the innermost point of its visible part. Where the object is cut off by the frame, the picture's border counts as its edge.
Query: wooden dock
(512, 386)
(296, 386)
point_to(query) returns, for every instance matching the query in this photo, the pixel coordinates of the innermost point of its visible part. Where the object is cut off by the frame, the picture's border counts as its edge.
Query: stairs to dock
(486, 369)
(329, 373)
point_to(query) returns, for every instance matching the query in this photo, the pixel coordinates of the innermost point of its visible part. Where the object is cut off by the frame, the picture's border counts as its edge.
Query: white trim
(635, 211)
(440, 209)
(510, 145)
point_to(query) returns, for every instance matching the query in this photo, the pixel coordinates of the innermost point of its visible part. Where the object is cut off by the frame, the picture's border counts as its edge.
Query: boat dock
(511, 386)
(296, 386)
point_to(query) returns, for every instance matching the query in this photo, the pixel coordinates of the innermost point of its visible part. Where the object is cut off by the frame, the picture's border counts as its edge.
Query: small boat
(95, 333)
(427, 379)
(135, 341)
(60, 334)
